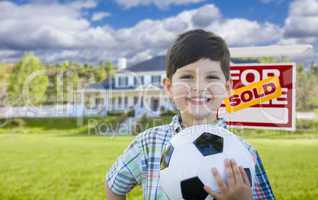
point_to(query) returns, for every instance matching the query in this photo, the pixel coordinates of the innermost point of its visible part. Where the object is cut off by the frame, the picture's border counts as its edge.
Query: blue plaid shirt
(140, 164)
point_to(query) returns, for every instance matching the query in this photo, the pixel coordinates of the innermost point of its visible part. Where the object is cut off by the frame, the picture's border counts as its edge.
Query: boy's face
(198, 88)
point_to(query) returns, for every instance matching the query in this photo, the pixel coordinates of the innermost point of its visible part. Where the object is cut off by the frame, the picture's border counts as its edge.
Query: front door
(154, 104)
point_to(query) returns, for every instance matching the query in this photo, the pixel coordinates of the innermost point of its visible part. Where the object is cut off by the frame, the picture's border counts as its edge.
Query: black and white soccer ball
(187, 161)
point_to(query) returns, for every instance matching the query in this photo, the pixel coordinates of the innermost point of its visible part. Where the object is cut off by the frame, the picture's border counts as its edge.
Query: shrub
(307, 125)
(130, 113)
(114, 113)
(15, 123)
(140, 125)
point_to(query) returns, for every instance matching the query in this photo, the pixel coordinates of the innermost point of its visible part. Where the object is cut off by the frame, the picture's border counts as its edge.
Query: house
(138, 87)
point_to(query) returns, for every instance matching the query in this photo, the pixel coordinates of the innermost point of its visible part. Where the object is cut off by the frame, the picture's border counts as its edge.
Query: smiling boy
(197, 81)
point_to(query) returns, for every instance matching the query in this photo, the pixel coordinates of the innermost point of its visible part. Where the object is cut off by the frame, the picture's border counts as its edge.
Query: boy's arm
(125, 173)
(262, 189)
(112, 196)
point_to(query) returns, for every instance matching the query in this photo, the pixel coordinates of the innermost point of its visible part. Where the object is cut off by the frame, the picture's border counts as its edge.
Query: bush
(140, 125)
(103, 125)
(114, 113)
(15, 123)
(149, 122)
(306, 125)
(130, 113)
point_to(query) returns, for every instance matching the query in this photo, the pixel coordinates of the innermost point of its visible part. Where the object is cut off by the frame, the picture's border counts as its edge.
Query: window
(113, 103)
(138, 80)
(135, 100)
(142, 102)
(119, 101)
(142, 80)
(126, 102)
(123, 81)
(112, 81)
(154, 104)
(99, 102)
(156, 80)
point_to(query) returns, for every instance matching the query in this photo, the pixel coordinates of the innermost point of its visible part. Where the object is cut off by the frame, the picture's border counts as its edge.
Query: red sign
(276, 113)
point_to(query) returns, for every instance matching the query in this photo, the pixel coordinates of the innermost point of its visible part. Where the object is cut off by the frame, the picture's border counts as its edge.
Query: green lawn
(72, 166)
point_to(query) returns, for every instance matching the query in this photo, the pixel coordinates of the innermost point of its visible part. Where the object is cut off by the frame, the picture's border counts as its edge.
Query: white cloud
(161, 33)
(7, 53)
(302, 20)
(141, 56)
(205, 15)
(31, 26)
(159, 3)
(84, 4)
(99, 16)
(301, 25)
(242, 32)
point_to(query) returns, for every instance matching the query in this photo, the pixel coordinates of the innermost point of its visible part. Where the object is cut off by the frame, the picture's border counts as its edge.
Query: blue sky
(89, 31)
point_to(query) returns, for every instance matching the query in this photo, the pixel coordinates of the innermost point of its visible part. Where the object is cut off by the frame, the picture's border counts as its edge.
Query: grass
(74, 126)
(292, 166)
(57, 165)
(54, 166)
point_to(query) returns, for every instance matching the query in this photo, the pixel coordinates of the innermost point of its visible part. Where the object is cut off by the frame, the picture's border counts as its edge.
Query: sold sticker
(253, 94)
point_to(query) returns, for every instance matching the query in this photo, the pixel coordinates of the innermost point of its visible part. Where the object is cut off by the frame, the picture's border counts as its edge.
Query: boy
(197, 69)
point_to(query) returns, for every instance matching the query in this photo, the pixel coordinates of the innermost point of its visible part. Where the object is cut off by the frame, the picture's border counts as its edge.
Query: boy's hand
(237, 187)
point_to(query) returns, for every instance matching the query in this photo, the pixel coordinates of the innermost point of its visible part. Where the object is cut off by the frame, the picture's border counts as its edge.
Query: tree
(28, 82)
(64, 83)
(70, 81)
(100, 74)
(307, 89)
(312, 79)
(267, 59)
(301, 84)
(5, 71)
(104, 70)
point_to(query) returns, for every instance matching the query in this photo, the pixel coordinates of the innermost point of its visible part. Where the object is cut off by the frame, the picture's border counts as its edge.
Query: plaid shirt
(140, 164)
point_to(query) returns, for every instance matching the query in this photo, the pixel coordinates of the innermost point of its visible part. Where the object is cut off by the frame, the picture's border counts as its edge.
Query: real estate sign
(263, 96)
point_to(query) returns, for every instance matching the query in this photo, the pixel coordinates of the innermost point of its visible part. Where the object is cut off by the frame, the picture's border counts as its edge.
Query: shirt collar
(177, 126)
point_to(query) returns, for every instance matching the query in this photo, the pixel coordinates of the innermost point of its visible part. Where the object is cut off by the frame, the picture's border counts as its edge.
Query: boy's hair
(193, 45)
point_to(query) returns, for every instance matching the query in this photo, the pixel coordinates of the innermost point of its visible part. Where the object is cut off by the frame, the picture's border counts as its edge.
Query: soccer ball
(186, 163)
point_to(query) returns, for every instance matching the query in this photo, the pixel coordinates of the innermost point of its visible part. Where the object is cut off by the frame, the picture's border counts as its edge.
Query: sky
(92, 31)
